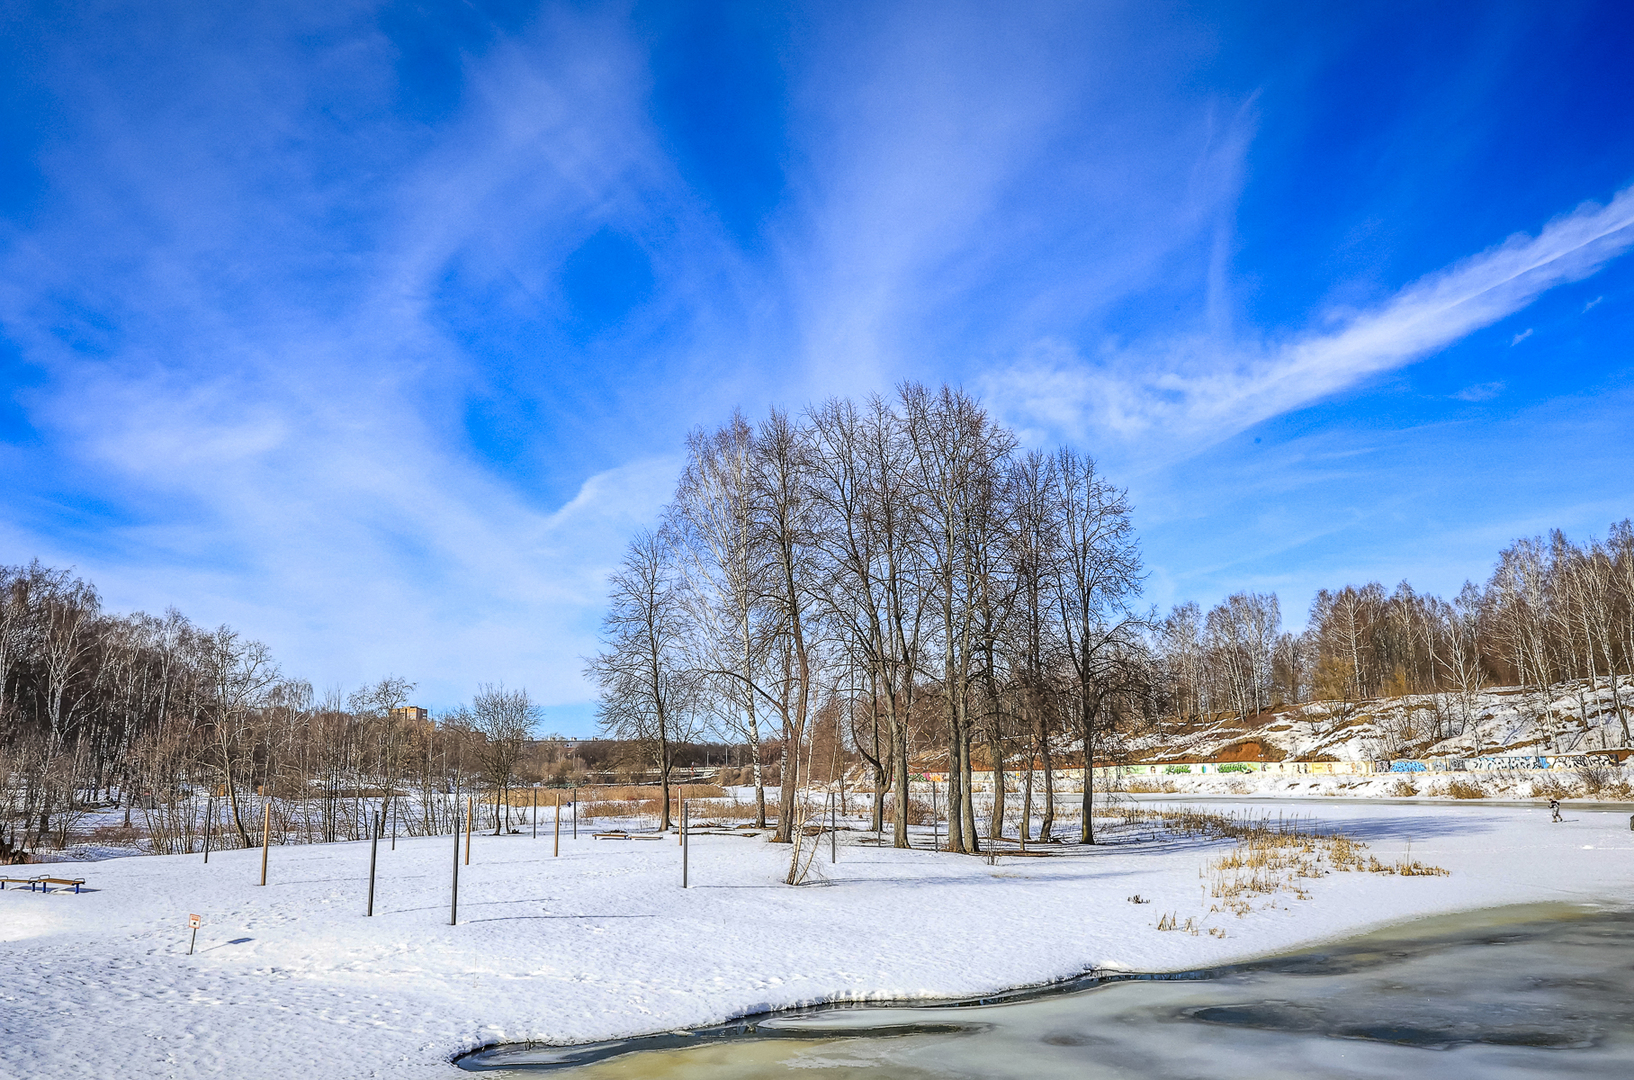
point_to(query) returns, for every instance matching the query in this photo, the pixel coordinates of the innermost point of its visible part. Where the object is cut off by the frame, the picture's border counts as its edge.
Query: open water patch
(1501, 995)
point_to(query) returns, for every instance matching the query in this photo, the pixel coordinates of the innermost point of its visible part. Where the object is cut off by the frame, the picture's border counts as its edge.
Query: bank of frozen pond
(1526, 992)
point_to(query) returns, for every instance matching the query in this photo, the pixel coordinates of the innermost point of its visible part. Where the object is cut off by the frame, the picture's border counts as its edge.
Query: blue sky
(375, 329)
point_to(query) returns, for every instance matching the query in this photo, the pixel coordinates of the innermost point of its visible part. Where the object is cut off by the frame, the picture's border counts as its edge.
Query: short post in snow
(470, 812)
(394, 826)
(536, 811)
(374, 854)
(266, 835)
(454, 905)
(558, 848)
(574, 802)
(683, 843)
(193, 921)
(833, 828)
(209, 813)
(935, 825)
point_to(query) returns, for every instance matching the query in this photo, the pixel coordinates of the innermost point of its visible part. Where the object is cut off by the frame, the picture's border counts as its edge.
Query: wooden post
(394, 826)
(935, 825)
(266, 835)
(833, 828)
(470, 812)
(536, 811)
(575, 803)
(683, 843)
(454, 905)
(374, 853)
(209, 813)
(558, 849)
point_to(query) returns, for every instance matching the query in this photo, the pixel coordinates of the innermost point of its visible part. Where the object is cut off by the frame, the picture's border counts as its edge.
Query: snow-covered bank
(1603, 785)
(293, 980)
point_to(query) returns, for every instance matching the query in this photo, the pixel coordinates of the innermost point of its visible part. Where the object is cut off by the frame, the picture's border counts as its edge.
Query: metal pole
(454, 907)
(684, 843)
(935, 825)
(833, 828)
(558, 849)
(374, 854)
(536, 811)
(193, 942)
(209, 814)
(394, 826)
(266, 836)
(470, 812)
(575, 813)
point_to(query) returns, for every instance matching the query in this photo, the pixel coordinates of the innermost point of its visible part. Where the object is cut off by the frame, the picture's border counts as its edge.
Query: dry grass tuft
(1404, 788)
(1465, 789)
(1271, 855)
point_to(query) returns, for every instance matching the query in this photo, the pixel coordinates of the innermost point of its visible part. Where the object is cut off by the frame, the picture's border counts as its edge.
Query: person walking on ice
(1554, 810)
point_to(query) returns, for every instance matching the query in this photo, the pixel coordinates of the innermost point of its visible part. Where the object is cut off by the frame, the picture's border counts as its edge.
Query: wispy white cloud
(1520, 337)
(291, 459)
(1194, 392)
(1480, 392)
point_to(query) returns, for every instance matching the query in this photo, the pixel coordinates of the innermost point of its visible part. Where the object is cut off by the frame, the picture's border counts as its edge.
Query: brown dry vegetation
(1272, 855)
(613, 793)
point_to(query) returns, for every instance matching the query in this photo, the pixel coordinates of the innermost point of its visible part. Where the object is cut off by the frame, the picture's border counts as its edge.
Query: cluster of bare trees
(1553, 612)
(898, 564)
(178, 723)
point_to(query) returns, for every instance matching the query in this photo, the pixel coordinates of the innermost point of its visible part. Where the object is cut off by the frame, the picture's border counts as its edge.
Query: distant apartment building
(411, 712)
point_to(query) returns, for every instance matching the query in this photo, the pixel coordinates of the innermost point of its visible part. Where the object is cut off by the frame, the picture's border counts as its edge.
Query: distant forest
(891, 583)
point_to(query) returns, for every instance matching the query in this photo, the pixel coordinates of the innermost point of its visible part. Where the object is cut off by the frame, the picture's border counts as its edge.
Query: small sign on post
(195, 922)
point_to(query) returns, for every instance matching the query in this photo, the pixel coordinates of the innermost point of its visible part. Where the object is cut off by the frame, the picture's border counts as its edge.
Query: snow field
(293, 980)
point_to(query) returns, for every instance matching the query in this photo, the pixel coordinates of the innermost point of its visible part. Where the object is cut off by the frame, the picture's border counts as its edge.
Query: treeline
(897, 567)
(168, 718)
(1552, 612)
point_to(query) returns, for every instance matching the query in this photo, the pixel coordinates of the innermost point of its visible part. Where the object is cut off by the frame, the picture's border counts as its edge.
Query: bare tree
(647, 691)
(713, 521)
(505, 720)
(1098, 573)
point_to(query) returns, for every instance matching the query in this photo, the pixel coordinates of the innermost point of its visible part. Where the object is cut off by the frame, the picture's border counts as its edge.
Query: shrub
(1466, 789)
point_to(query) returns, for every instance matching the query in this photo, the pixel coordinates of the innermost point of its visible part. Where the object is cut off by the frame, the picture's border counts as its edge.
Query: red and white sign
(194, 921)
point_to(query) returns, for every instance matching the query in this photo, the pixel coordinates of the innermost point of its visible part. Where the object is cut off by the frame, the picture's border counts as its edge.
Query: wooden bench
(47, 882)
(42, 883)
(627, 836)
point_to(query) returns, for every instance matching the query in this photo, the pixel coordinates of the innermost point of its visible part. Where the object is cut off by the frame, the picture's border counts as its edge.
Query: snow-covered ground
(292, 980)
(1611, 785)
